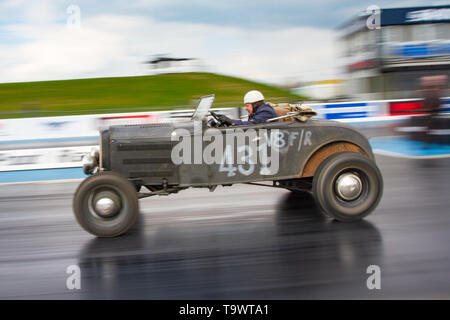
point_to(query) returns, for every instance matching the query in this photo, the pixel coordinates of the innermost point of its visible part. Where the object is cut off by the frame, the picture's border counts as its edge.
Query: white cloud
(115, 45)
(305, 53)
(11, 3)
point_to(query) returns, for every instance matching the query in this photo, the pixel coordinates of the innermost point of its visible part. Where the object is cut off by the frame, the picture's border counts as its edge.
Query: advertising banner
(349, 111)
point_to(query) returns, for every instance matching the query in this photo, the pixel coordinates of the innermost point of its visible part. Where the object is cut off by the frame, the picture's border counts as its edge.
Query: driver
(258, 111)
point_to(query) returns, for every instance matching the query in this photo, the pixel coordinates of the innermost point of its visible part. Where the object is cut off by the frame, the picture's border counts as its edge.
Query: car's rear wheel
(106, 204)
(347, 186)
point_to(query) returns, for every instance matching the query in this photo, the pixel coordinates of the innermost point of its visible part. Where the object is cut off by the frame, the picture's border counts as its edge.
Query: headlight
(90, 161)
(95, 153)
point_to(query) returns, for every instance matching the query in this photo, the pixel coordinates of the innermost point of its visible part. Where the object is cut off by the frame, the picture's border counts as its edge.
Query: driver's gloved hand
(224, 119)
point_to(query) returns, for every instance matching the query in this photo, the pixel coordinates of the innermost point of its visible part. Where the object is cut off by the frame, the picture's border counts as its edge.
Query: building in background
(388, 60)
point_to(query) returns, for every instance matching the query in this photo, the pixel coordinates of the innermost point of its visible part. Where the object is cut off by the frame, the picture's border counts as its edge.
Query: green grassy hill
(125, 94)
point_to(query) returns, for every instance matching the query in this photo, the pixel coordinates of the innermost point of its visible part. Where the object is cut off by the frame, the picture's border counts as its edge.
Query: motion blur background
(69, 68)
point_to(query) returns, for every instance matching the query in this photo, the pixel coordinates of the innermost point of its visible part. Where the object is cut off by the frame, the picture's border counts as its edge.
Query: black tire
(325, 189)
(120, 188)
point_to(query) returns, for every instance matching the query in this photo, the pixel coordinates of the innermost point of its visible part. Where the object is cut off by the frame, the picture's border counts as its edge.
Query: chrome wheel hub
(106, 204)
(348, 186)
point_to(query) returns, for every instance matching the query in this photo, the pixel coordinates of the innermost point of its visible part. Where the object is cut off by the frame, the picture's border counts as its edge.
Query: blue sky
(269, 41)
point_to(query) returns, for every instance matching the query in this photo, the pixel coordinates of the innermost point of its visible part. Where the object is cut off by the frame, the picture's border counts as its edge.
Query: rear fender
(326, 151)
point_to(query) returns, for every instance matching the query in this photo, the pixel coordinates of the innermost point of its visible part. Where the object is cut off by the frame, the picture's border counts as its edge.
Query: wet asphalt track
(240, 242)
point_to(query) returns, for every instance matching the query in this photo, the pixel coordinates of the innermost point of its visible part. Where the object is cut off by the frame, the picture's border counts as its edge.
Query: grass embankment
(124, 94)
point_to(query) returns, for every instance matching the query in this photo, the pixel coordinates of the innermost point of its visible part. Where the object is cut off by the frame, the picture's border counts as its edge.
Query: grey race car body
(143, 153)
(329, 159)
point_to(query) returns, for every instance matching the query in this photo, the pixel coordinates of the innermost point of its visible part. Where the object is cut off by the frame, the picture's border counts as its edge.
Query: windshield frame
(202, 110)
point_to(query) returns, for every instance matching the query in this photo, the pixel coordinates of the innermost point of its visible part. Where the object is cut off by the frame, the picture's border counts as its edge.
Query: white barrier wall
(40, 132)
(15, 134)
(79, 127)
(42, 158)
(74, 127)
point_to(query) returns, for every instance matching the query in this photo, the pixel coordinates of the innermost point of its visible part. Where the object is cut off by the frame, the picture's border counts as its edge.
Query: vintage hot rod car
(329, 159)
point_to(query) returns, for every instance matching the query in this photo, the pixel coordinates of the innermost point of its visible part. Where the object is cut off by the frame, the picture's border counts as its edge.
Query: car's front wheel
(106, 204)
(347, 186)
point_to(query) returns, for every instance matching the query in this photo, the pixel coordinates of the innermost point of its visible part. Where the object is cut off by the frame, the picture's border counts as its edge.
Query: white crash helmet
(253, 96)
